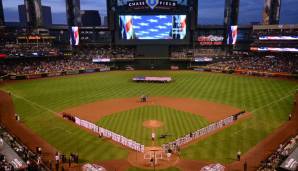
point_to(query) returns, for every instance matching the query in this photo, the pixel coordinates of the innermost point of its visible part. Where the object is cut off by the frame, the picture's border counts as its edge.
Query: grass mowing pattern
(248, 93)
(65, 136)
(130, 123)
(242, 136)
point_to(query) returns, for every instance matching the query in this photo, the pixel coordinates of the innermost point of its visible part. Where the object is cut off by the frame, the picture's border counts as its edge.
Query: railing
(107, 133)
(197, 134)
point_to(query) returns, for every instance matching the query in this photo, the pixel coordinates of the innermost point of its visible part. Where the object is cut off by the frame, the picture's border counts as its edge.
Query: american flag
(74, 40)
(232, 35)
(153, 27)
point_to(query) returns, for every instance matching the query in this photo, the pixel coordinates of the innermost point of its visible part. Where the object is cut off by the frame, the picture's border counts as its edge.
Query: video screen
(153, 27)
(273, 49)
(278, 38)
(127, 2)
(75, 36)
(232, 35)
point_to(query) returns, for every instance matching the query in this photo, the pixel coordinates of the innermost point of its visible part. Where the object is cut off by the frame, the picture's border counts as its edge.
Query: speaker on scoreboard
(234, 12)
(193, 10)
(111, 6)
(1, 14)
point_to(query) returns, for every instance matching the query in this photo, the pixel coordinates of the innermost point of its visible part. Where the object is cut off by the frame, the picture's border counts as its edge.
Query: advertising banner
(210, 40)
(291, 163)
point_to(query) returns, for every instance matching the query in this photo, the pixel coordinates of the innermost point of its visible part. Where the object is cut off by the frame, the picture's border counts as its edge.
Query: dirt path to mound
(93, 112)
(21, 131)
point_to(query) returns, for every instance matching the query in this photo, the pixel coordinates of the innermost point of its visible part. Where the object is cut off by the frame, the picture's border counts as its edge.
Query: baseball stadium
(140, 85)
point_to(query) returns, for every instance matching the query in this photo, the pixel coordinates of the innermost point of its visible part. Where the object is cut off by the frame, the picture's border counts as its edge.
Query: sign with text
(151, 4)
(210, 40)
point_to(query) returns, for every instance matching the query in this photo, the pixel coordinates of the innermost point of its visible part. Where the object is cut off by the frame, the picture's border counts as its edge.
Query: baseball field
(269, 101)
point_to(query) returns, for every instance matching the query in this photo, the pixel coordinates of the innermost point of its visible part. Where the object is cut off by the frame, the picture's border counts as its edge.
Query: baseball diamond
(39, 102)
(140, 85)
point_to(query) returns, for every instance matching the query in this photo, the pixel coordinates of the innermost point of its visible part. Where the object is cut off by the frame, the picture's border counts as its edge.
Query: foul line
(42, 107)
(278, 100)
(61, 129)
(34, 104)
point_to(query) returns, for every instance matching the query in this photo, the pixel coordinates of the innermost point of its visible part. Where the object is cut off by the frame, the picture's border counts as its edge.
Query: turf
(65, 136)
(269, 100)
(176, 123)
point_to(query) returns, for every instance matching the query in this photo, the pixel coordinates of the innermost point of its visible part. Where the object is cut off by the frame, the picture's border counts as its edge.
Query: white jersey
(153, 135)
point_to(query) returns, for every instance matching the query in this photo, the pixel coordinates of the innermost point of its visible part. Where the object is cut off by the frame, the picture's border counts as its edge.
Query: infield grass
(269, 100)
(175, 124)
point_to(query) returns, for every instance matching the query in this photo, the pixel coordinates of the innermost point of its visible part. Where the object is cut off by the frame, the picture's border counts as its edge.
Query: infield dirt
(93, 112)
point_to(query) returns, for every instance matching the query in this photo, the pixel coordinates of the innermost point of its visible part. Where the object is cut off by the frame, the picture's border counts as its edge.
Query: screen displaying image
(278, 38)
(153, 27)
(75, 36)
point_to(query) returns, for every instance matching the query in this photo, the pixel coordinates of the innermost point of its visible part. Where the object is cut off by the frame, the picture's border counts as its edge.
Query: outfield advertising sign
(210, 40)
(291, 163)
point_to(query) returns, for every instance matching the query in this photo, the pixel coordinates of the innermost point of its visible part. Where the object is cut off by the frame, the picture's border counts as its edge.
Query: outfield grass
(269, 100)
(130, 123)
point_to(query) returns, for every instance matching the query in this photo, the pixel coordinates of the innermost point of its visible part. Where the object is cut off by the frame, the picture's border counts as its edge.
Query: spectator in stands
(38, 161)
(261, 64)
(274, 160)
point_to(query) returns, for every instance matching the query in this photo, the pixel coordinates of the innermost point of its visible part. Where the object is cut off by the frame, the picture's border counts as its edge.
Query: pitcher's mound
(152, 124)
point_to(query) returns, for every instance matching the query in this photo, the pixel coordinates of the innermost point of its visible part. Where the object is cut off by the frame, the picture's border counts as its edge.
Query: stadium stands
(29, 50)
(269, 64)
(189, 53)
(39, 66)
(277, 157)
(17, 156)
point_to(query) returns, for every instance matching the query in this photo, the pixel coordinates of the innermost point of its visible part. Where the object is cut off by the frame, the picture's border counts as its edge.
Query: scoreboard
(152, 4)
(152, 22)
